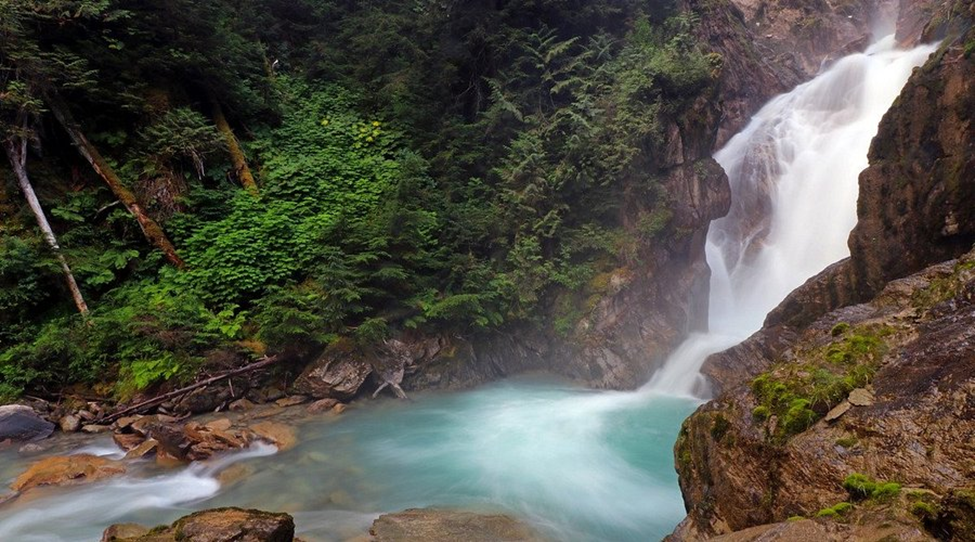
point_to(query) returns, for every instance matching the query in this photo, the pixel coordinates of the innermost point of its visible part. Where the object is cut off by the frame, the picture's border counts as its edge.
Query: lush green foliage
(433, 165)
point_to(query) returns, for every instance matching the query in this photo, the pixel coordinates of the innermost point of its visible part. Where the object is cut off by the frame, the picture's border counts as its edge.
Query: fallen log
(138, 408)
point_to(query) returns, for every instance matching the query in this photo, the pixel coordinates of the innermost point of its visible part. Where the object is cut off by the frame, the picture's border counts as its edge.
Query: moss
(847, 442)
(837, 510)
(862, 487)
(924, 511)
(839, 329)
(800, 393)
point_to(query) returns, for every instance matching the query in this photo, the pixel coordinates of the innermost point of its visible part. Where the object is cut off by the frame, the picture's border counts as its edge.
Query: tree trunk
(241, 169)
(150, 228)
(17, 154)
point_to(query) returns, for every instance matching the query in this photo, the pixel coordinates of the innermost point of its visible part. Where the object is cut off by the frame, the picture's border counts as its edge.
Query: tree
(40, 74)
(15, 140)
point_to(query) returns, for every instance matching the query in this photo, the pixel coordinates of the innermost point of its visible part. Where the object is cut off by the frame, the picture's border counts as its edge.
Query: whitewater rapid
(579, 464)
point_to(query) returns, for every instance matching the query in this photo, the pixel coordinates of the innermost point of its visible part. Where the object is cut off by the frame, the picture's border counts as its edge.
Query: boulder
(442, 525)
(67, 470)
(19, 423)
(323, 405)
(217, 525)
(128, 441)
(70, 423)
(291, 401)
(339, 372)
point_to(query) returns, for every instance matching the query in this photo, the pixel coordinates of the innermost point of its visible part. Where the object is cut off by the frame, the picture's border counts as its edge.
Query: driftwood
(149, 403)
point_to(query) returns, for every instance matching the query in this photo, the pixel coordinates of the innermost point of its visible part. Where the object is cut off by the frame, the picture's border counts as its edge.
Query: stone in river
(19, 423)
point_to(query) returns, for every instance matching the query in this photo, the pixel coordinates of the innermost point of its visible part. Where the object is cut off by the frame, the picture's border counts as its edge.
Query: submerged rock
(19, 423)
(443, 525)
(280, 435)
(217, 525)
(67, 470)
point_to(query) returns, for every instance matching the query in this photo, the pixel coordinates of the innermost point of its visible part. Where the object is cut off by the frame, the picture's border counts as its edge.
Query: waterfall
(793, 174)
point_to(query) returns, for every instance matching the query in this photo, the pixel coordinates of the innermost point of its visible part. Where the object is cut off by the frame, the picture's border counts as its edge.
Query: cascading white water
(580, 465)
(793, 174)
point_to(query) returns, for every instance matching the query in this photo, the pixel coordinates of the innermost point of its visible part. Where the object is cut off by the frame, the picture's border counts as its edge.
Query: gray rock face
(439, 525)
(339, 373)
(19, 423)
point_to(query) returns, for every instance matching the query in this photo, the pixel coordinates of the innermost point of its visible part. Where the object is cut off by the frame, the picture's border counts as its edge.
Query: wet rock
(70, 423)
(203, 440)
(206, 399)
(323, 405)
(241, 405)
(126, 421)
(235, 473)
(339, 408)
(30, 449)
(291, 401)
(282, 436)
(913, 425)
(67, 470)
(124, 531)
(94, 429)
(128, 441)
(339, 372)
(441, 525)
(19, 423)
(219, 525)
(145, 448)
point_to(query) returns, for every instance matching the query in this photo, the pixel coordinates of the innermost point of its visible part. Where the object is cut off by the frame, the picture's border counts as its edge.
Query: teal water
(580, 465)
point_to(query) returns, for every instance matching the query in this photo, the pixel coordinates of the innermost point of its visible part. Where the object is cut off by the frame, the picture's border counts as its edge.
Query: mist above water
(580, 465)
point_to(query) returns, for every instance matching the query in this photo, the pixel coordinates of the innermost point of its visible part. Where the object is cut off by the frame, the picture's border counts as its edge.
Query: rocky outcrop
(926, 21)
(217, 525)
(19, 423)
(440, 525)
(916, 197)
(775, 445)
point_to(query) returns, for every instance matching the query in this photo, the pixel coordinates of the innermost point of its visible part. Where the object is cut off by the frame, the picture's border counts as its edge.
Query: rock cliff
(869, 368)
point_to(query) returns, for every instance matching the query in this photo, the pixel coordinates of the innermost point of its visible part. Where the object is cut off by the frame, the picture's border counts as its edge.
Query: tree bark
(237, 157)
(150, 228)
(17, 154)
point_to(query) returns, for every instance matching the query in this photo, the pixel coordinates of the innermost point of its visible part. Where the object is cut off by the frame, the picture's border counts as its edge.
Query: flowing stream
(579, 464)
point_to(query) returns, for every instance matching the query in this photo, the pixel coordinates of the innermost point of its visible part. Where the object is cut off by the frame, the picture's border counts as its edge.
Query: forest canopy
(229, 178)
